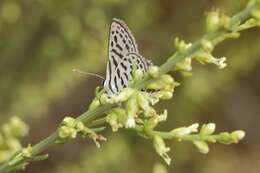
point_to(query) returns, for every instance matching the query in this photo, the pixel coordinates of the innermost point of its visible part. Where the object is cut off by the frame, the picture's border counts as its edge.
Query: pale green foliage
(135, 110)
(10, 135)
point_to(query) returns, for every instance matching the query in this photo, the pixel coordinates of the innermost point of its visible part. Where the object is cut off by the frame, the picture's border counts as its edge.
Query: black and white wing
(122, 55)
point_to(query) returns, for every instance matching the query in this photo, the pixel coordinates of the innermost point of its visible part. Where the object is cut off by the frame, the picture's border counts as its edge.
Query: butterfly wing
(124, 71)
(122, 54)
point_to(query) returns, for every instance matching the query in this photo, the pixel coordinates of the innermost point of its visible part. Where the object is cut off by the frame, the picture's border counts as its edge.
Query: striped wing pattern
(122, 55)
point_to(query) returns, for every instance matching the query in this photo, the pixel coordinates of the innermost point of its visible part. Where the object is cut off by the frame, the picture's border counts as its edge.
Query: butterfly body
(122, 56)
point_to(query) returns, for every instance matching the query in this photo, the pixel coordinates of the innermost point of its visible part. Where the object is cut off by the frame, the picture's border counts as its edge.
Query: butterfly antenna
(88, 73)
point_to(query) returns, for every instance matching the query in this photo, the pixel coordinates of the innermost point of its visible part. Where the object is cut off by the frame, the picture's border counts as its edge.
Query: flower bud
(166, 95)
(67, 132)
(248, 24)
(64, 132)
(151, 123)
(176, 42)
(213, 21)
(184, 131)
(186, 73)
(121, 115)
(138, 74)
(153, 98)
(104, 99)
(98, 90)
(94, 104)
(207, 129)
(153, 71)
(143, 102)
(27, 152)
(163, 116)
(161, 149)
(80, 126)
(224, 138)
(156, 85)
(221, 62)
(180, 45)
(237, 135)
(112, 119)
(69, 122)
(73, 133)
(225, 20)
(167, 79)
(123, 95)
(131, 106)
(204, 57)
(130, 122)
(184, 65)
(207, 45)
(202, 146)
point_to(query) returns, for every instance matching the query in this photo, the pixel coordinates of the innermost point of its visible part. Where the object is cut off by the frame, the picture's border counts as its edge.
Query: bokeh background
(42, 40)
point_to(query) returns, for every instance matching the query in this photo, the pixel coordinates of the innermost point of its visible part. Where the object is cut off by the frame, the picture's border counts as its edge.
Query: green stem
(191, 137)
(98, 122)
(91, 115)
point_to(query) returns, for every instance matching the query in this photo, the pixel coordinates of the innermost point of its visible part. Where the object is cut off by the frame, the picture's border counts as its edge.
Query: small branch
(94, 117)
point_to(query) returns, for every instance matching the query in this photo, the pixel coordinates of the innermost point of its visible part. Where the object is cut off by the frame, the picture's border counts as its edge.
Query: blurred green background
(42, 40)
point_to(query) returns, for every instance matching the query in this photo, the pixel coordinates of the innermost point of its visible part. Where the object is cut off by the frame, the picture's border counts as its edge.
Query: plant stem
(191, 137)
(90, 115)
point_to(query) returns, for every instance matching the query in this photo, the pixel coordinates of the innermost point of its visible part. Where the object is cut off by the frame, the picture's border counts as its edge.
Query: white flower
(191, 128)
(238, 135)
(130, 122)
(221, 62)
(163, 116)
(184, 131)
(211, 127)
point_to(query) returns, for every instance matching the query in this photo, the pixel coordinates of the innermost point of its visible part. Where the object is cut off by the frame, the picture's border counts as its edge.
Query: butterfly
(123, 55)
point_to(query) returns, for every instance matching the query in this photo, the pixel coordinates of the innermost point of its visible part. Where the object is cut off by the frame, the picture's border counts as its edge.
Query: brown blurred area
(42, 40)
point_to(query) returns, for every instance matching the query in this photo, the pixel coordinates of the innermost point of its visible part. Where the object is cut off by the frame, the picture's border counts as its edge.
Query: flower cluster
(135, 105)
(9, 137)
(70, 128)
(203, 56)
(200, 138)
(134, 108)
